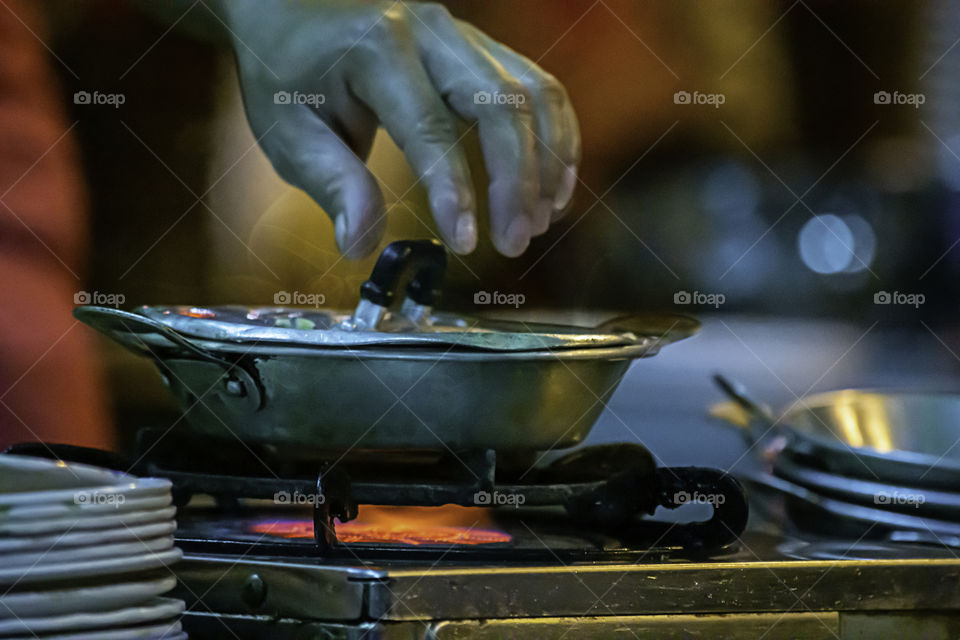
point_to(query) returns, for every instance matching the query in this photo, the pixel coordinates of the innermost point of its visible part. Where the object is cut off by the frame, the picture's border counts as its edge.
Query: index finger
(396, 87)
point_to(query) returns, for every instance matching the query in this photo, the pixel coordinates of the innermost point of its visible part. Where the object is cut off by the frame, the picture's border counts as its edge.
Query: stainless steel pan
(385, 377)
(898, 438)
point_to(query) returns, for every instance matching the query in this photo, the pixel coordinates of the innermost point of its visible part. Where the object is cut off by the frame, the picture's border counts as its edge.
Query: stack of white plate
(84, 553)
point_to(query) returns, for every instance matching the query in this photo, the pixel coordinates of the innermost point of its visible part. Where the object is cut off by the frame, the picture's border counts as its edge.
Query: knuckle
(435, 127)
(391, 23)
(378, 33)
(549, 89)
(511, 86)
(517, 99)
(510, 92)
(433, 13)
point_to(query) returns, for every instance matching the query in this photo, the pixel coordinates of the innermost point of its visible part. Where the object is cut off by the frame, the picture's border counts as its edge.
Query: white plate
(85, 568)
(35, 604)
(81, 538)
(89, 522)
(155, 497)
(46, 557)
(23, 474)
(155, 610)
(88, 495)
(163, 631)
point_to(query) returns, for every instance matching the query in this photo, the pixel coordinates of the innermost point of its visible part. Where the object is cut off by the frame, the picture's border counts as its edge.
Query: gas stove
(592, 502)
(468, 545)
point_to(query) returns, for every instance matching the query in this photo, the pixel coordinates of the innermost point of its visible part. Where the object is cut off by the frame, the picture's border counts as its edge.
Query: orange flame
(197, 312)
(448, 525)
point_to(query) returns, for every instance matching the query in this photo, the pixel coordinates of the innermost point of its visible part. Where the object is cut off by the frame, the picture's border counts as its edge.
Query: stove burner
(606, 490)
(372, 533)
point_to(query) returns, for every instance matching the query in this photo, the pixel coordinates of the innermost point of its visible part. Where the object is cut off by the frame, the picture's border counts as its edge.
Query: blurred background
(787, 171)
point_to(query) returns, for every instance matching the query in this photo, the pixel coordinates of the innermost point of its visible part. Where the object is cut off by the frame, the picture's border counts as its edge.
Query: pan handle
(129, 329)
(759, 425)
(426, 260)
(148, 337)
(737, 392)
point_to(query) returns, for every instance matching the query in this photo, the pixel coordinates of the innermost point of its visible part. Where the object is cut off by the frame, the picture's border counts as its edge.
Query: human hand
(318, 78)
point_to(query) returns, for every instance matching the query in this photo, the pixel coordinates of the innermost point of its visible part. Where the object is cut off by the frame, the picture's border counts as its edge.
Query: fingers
(557, 129)
(479, 89)
(414, 68)
(397, 88)
(308, 154)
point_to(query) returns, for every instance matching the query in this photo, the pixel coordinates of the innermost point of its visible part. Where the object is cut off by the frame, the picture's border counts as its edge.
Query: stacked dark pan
(861, 463)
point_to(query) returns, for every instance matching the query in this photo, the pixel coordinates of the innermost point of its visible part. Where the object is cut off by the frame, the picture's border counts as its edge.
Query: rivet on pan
(235, 388)
(254, 591)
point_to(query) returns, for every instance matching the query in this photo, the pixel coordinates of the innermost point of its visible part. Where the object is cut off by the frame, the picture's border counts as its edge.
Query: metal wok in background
(856, 463)
(900, 438)
(308, 382)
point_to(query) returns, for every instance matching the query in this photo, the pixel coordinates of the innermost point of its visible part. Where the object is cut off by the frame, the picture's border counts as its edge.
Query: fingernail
(568, 182)
(518, 236)
(340, 232)
(541, 216)
(466, 233)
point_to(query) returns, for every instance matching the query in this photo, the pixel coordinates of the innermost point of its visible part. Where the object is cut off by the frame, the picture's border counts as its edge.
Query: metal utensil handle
(762, 426)
(426, 258)
(737, 392)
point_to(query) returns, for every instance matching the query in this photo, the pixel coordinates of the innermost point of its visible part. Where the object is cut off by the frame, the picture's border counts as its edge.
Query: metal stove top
(770, 587)
(588, 581)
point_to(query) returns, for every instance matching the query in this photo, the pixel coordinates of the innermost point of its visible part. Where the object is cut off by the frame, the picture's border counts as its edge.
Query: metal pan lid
(377, 321)
(308, 327)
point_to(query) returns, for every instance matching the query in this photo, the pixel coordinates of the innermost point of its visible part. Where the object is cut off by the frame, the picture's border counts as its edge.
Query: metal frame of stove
(734, 598)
